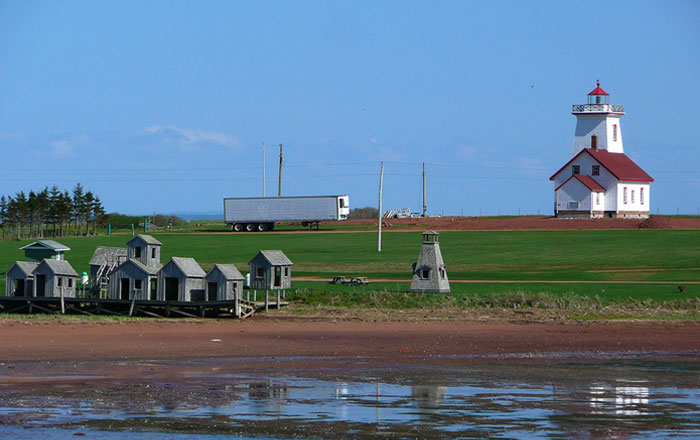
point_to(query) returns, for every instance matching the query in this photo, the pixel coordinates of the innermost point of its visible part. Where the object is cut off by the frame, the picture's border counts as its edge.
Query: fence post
(109, 229)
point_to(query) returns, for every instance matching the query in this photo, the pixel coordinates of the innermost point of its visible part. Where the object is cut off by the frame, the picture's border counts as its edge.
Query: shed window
(641, 196)
(425, 274)
(70, 282)
(153, 253)
(137, 252)
(624, 195)
(138, 284)
(596, 170)
(260, 272)
(286, 271)
(576, 169)
(60, 281)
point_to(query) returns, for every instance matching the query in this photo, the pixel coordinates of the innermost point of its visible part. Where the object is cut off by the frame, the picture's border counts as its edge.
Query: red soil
(530, 223)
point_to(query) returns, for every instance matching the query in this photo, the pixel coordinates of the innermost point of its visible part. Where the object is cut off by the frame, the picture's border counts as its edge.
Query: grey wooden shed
(132, 279)
(181, 279)
(224, 282)
(44, 249)
(53, 277)
(270, 270)
(429, 273)
(144, 248)
(104, 260)
(19, 280)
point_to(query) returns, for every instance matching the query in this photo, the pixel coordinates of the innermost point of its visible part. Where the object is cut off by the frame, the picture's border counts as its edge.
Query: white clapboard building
(600, 180)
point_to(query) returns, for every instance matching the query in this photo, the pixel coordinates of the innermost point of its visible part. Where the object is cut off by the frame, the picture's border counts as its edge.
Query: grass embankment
(600, 258)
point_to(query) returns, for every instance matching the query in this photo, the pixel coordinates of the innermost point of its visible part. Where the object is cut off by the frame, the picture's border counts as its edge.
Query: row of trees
(51, 212)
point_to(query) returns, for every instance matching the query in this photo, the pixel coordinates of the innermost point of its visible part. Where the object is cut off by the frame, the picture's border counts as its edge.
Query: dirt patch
(530, 223)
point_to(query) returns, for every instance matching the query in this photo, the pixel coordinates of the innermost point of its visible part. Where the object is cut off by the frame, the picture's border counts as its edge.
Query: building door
(278, 277)
(40, 280)
(19, 287)
(211, 291)
(172, 286)
(124, 288)
(154, 289)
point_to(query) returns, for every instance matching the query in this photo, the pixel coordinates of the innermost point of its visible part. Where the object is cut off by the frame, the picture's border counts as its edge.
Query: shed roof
(189, 267)
(146, 239)
(26, 266)
(146, 269)
(59, 267)
(46, 244)
(587, 181)
(275, 258)
(618, 164)
(107, 254)
(229, 271)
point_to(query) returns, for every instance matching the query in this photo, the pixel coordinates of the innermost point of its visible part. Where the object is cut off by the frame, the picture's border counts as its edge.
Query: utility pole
(424, 205)
(263, 169)
(381, 183)
(279, 185)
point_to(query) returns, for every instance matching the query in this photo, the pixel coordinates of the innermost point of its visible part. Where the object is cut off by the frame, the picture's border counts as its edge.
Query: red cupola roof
(598, 90)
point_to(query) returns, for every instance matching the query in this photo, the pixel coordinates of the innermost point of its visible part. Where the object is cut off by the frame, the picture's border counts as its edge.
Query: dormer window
(595, 171)
(137, 252)
(576, 169)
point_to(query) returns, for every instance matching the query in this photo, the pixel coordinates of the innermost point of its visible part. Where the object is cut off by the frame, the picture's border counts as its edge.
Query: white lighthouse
(598, 123)
(600, 180)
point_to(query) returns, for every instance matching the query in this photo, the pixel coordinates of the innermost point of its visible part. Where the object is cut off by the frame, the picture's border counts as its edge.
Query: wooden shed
(104, 260)
(44, 249)
(181, 279)
(224, 282)
(19, 280)
(144, 248)
(270, 270)
(132, 279)
(54, 278)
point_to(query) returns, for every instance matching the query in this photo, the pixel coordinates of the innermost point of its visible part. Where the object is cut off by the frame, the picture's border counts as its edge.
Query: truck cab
(343, 207)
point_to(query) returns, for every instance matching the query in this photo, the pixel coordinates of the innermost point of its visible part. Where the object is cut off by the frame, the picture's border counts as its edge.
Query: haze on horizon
(163, 106)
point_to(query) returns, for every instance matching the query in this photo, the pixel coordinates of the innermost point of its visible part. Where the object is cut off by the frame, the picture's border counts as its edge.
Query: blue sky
(164, 105)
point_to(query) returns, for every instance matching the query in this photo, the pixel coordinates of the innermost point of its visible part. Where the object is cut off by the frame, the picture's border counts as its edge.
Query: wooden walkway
(156, 309)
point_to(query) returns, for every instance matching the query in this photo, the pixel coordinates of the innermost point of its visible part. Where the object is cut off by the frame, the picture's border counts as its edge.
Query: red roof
(618, 164)
(598, 90)
(586, 180)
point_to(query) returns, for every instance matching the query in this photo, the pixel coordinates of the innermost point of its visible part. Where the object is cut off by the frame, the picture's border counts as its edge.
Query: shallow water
(640, 395)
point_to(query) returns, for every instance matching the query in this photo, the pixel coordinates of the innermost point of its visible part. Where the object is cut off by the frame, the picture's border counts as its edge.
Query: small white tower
(598, 123)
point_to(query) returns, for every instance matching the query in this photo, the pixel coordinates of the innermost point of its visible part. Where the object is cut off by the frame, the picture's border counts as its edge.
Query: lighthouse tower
(598, 123)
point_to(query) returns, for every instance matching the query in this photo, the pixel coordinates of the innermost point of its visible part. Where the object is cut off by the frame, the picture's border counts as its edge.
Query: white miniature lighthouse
(429, 274)
(598, 123)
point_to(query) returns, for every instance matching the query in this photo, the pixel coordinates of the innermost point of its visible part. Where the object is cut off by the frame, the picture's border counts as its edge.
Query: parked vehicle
(261, 213)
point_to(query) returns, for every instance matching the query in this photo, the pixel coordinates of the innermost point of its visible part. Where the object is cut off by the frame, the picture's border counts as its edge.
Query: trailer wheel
(250, 227)
(261, 227)
(237, 227)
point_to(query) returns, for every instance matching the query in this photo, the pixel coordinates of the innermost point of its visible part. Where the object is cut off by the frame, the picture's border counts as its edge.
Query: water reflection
(521, 400)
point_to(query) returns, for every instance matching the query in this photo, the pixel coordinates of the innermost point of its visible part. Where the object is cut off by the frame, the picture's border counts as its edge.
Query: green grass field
(633, 256)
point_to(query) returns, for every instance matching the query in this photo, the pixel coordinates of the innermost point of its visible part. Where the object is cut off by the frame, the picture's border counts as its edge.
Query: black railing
(582, 108)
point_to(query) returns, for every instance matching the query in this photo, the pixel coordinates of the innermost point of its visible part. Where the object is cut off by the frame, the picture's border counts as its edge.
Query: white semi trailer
(261, 213)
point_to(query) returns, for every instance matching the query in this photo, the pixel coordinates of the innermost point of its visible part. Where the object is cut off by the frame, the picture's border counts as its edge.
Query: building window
(614, 132)
(286, 271)
(153, 253)
(597, 198)
(260, 272)
(632, 196)
(641, 196)
(573, 205)
(70, 282)
(624, 195)
(342, 203)
(137, 284)
(576, 169)
(425, 274)
(60, 281)
(137, 252)
(596, 170)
